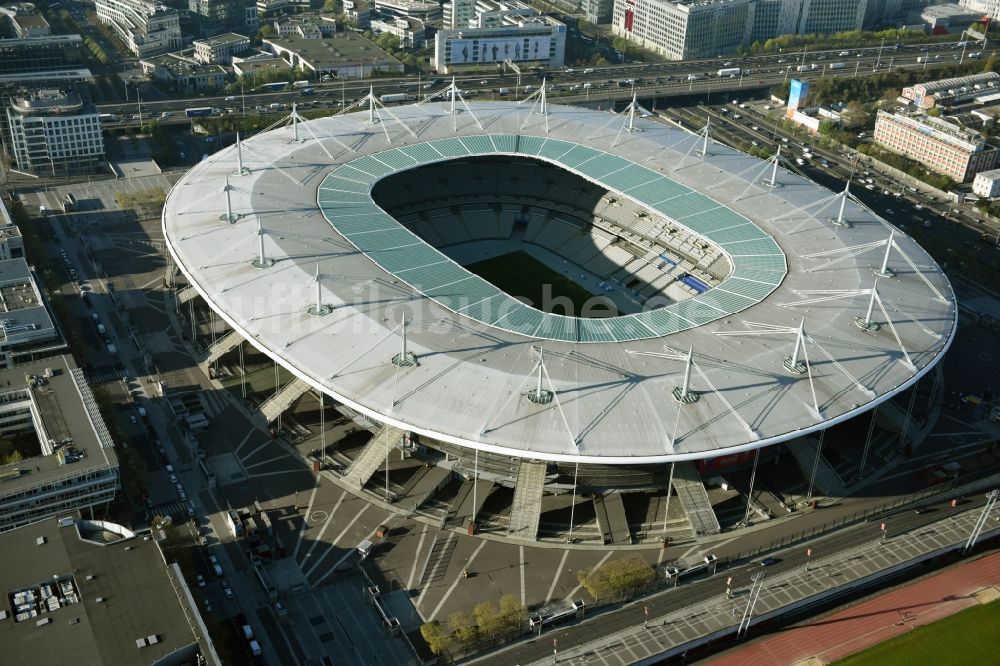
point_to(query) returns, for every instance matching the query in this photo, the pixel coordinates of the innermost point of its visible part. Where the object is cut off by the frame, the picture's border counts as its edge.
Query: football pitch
(968, 637)
(521, 275)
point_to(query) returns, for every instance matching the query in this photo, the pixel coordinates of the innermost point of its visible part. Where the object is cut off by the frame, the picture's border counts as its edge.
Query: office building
(412, 33)
(688, 29)
(459, 14)
(358, 12)
(685, 29)
(306, 26)
(948, 19)
(39, 54)
(27, 330)
(957, 152)
(989, 8)
(524, 40)
(422, 10)
(183, 72)
(28, 26)
(945, 92)
(219, 50)
(147, 28)
(597, 11)
(93, 592)
(986, 184)
(67, 455)
(214, 17)
(53, 132)
(346, 55)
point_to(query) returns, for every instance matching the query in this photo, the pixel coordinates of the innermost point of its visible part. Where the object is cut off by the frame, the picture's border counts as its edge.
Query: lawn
(968, 637)
(521, 275)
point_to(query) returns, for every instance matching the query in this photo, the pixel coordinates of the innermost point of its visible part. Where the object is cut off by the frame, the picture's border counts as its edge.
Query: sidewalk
(886, 616)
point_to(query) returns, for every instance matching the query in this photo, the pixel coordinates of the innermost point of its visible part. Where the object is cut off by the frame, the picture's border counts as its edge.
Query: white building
(686, 29)
(526, 40)
(412, 33)
(53, 132)
(345, 55)
(219, 50)
(459, 13)
(987, 184)
(957, 152)
(147, 28)
(989, 8)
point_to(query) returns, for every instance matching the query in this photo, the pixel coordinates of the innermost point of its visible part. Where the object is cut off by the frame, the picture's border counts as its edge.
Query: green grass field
(969, 637)
(519, 274)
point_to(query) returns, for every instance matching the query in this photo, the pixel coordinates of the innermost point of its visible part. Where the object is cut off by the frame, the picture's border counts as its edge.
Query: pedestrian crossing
(104, 375)
(177, 510)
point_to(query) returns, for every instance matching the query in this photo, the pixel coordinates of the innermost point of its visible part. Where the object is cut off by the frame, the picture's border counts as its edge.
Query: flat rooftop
(114, 594)
(22, 315)
(67, 409)
(220, 40)
(342, 49)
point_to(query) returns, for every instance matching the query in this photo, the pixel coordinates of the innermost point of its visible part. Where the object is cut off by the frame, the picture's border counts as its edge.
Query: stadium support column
(865, 323)
(683, 393)
(572, 502)
(705, 134)
(404, 359)
(670, 490)
(884, 270)
(228, 217)
(371, 105)
(240, 169)
(840, 221)
(475, 483)
(773, 182)
(319, 309)
(262, 260)
(295, 123)
(792, 363)
(815, 469)
(452, 90)
(753, 478)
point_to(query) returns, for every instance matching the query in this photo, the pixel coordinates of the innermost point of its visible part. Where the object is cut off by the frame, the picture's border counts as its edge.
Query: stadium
(558, 314)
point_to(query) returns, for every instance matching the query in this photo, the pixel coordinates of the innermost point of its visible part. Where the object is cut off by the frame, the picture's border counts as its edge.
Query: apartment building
(957, 152)
(989, 8)
(219, 50)
(147, 28)
(214, 17)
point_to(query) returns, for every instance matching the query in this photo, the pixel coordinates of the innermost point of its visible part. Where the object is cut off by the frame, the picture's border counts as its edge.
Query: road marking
(416, 559)
(460, 576)
(250, 455)
(236, 451)
(269, 460)
(281, 471)
(326, 524)
(305, 518)
(159, 278)
(335, 541)
(578, 587)
(521, 554)
(444, 548)
(555, 578)
(348, 553)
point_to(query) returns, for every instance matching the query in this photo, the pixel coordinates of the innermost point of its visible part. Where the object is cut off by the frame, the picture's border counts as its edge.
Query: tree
(331, 6)
(854, 116)
(617, 577)
(462, 627)
(489, 620)
(436, 637)
(934, 112)
(512, 612)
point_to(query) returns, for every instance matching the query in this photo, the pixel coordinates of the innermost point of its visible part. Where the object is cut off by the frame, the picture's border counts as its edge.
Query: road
(616, 82)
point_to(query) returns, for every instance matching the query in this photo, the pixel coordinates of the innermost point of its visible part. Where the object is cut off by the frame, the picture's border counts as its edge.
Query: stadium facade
(733, 305)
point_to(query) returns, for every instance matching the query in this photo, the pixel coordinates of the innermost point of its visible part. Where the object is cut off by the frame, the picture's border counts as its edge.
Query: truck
(693, 77)
(836, 65)
(69, 203)
(277, 106)
(197, 111)
(395, 97)
(730, 71)
(301, 84)
(109, 118)
(307, 92)
(503, 91)
(803, 68)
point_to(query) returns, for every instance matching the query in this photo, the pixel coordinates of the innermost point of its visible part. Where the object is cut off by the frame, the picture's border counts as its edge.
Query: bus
(274, 87)
(198, 111)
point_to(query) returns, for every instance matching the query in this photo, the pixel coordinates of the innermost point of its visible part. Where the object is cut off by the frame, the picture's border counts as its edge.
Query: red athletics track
(858, 627)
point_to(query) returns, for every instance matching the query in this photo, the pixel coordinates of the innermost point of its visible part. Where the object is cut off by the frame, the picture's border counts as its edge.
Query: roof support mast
(539, 395)
(865, 323)
(262, 260)
(229, 216)
(773, 182)
(884, 270)
(792, 363)
(840, 221)
(240, 169)
(404, 359)
(319, 309)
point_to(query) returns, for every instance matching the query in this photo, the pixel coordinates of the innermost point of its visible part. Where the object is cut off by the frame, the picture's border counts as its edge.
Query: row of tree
(487, 621)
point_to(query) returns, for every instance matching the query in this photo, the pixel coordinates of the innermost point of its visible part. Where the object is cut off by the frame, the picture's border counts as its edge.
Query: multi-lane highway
(593, 84)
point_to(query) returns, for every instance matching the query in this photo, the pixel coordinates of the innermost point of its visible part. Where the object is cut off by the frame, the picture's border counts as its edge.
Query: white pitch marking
(580, 586)
(521, 554)
(305, 518)
(459, 577)
(335, 542)
(555, 579)
(326, 523)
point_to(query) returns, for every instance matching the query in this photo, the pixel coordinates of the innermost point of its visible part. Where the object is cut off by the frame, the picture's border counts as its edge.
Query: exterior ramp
(611, 521)
(422, 486)
(373, 455)
(273, 407)
(463, 508)
(694, 499)
(526, 509)
(805, 450)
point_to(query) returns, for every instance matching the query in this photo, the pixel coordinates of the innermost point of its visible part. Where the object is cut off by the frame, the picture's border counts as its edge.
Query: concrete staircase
(184, 295)
(694, 499)
(805, 450)
(222, 346)
(422, 485)
(526, 508)
(462, 508)
(273, 407)
(373, 455)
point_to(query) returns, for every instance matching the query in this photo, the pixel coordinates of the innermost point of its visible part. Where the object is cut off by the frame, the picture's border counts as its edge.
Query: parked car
(201, 580)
